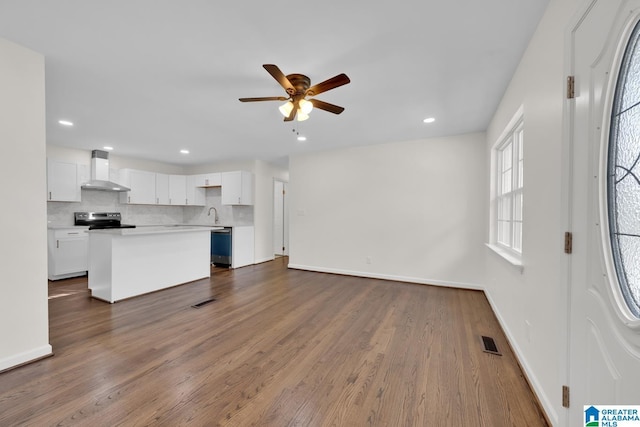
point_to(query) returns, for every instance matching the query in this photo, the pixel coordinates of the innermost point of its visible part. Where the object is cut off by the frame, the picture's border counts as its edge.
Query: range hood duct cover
(100, 174)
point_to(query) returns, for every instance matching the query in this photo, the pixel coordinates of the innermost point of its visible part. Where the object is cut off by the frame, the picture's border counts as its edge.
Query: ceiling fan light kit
(286, 108)
(303, 111)
(298, 87)
(305, 106)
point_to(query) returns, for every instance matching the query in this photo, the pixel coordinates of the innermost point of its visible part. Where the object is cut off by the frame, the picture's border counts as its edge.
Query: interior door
(604, 345)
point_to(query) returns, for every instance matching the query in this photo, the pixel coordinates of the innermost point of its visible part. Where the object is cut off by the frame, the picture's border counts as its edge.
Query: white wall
(415, 210)
(262, 215)
(24, 323)
(538, 295)
(265, 174)
(116, 162)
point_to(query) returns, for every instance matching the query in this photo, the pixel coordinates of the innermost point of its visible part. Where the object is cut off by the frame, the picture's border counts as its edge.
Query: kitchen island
(126, 262)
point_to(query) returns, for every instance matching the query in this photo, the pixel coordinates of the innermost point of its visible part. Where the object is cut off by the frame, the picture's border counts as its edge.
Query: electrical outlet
(368, 260)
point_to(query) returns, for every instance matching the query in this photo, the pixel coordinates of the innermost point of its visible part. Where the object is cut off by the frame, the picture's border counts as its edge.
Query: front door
(604, 340)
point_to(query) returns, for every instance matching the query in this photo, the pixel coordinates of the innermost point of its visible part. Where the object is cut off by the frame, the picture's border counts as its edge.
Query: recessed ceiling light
(184, 151)
(65, 122)
(107, 148)
(302, 138)
(429, 120)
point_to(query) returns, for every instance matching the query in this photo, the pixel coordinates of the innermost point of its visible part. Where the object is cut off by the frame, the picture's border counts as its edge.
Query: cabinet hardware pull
(57, 244)
(49, 195)
(73, 232)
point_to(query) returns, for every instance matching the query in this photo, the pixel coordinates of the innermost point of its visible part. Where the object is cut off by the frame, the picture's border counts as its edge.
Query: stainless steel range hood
(100, 174)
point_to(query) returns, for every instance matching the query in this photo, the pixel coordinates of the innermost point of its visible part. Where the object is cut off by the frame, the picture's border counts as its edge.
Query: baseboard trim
(545, 403)
(26, 357)
(395, 278)
(261, 260)
(543, 399)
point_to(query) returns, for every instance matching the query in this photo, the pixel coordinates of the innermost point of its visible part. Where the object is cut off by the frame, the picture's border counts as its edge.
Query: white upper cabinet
(142, 185)
(63, 181)
(213, 179)
(237, 188)
(150, 188)
(177, 190)
(162, 189)
(195, 194)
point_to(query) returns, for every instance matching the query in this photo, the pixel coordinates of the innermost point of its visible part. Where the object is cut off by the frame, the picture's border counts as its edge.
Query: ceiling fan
(298, 87)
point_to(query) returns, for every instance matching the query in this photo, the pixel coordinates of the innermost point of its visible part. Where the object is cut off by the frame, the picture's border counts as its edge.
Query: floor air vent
(202, 303)
(489, 345)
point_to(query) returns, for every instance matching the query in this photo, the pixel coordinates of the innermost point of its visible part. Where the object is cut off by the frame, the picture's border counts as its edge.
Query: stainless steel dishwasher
(221, 246)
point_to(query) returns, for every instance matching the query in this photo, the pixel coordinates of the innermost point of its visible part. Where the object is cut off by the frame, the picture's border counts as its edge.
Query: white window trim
(512, 257)
(508, 256)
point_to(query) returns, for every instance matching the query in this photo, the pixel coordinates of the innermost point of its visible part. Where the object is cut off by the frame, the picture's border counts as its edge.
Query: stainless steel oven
(100, 220)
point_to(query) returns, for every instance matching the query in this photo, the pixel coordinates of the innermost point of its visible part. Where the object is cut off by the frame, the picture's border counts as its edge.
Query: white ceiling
(151, 77)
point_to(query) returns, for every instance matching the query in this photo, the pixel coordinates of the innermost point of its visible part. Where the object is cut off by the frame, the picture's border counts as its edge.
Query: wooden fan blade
(335, 109)
(264, 98)
(332, 83)
(292, 115)
(280, 77)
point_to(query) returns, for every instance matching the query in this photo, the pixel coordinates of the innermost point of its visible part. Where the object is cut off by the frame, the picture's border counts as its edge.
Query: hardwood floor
(278, 347)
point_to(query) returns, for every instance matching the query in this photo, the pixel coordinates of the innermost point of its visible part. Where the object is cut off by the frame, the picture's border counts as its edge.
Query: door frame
(284, 240)
(589, 241)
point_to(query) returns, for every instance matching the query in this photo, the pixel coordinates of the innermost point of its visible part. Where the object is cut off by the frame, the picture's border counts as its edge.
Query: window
(623, 176)
(508, 183)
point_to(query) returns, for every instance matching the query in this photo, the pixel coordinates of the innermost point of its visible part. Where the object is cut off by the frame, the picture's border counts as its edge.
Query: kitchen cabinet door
(67, 253)
(242, 246)
(237, 188)
(213, 179)
(63, 181)
(177, 190)
(195, 194)
(142, 185)
(162, 189)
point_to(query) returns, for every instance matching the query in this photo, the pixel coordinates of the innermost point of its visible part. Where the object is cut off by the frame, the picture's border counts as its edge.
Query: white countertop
(153, 229)
(218, 225)
(67, 227)
(141, 229)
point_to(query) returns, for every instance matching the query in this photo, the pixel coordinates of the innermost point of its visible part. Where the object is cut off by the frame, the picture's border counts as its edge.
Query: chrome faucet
(215, 218)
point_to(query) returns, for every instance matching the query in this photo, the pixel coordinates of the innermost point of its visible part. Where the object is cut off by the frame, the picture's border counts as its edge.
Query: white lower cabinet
(242, 246)
(67, 252)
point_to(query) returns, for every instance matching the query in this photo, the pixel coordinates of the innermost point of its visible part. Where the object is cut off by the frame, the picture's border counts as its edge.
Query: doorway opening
(280, 218)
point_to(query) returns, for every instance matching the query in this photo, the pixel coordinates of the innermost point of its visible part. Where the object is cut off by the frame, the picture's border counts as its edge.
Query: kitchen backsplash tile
(227, 215)
(61, 213)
